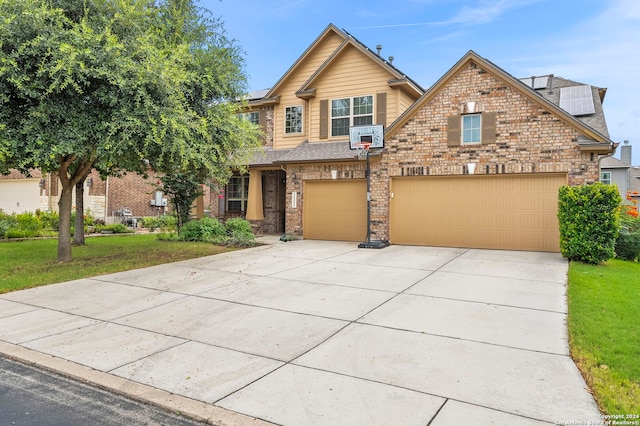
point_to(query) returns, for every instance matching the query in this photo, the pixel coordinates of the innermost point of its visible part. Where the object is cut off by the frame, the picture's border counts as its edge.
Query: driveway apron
(319, 332)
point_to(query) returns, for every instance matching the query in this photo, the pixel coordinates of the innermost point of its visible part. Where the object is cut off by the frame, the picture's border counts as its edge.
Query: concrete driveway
(317, 332)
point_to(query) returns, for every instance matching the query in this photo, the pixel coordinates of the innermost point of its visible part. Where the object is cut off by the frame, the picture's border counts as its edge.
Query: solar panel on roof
(536, 82)
(577, 100)
(540, 82)
(526, 81)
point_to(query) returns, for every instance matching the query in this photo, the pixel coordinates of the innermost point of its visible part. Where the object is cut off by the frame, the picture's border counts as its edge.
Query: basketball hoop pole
(368, 243)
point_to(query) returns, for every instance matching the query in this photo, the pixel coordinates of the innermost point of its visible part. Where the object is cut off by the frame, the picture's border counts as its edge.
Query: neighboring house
(19, 194)
(476, 161)
(103, 199)
(618, 172)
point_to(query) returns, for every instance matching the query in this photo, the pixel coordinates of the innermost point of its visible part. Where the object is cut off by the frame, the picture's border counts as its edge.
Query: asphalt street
(30, 396)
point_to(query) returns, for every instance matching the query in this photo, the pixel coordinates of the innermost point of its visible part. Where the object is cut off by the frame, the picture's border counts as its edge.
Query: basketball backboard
(373, 134)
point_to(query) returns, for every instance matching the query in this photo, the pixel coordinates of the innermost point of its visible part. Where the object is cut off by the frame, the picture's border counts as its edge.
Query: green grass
(604, 313)
(31, 263)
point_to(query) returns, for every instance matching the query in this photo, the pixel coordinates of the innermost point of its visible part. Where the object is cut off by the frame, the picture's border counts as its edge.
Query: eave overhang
(273, 100)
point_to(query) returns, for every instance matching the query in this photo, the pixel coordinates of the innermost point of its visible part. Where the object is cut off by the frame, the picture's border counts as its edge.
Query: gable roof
(593, 140)
(613, 163)
(399, 78)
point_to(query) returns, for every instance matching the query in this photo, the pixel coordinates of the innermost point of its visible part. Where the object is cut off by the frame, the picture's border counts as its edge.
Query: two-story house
(306, 180)
(475, 161)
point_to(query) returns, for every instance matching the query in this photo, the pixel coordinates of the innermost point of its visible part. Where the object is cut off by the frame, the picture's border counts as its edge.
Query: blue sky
(596, 42)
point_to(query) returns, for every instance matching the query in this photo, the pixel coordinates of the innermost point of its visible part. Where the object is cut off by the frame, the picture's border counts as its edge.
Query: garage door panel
(21, 195)
(517, 212)
(335, 210)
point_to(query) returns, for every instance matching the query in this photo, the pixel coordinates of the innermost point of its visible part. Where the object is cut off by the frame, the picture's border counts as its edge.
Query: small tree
(182, 190)
(589, 217)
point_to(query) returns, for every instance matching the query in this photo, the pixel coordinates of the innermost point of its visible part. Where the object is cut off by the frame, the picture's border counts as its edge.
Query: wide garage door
(513, 212)
(335, 210)
(20, 195)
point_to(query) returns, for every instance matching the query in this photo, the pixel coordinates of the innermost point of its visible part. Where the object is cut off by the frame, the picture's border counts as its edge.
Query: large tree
(117, 86)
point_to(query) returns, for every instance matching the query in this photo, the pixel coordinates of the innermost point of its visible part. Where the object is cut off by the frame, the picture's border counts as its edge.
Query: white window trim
(351, 114)
(462, 128)
(603, 179)
(301, 120)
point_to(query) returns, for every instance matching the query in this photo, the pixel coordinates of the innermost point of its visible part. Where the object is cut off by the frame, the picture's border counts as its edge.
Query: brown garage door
(335, 210)
(513, 212)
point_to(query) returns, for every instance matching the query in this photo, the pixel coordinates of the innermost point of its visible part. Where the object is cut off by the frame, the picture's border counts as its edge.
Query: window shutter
(488, 127)
(381, 108)
(262, 121)
(453, 130)
(324, 119)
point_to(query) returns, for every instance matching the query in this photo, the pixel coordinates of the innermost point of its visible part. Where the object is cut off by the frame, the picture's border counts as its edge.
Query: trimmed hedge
(589, 217)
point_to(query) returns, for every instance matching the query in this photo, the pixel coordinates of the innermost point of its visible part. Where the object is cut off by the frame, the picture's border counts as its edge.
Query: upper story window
(477, 128)
(471, 128)
(347, 112)
(252, 117)
(293, 119)
(605, 177)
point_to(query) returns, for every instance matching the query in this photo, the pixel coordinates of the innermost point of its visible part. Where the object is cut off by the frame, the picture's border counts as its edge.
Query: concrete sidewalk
(317, 332)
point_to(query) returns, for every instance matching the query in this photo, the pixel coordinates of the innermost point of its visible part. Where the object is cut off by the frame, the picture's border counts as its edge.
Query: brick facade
(529, 139)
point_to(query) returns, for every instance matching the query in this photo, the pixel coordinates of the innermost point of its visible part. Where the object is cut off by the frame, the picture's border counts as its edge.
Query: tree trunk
(78, 234)
(64, 233)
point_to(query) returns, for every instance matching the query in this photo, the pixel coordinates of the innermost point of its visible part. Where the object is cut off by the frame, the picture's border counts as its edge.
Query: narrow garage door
(20, 195)
(335, 210)
(512, 212)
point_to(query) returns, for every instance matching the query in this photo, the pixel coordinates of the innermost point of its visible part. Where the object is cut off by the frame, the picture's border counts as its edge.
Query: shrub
(29, 224)
(50, 220)
(238, 224)
(6, 223)
(589, 218)
(628, 242)
(116, 228)
(206, 229)
(167, 222)
(239, 233)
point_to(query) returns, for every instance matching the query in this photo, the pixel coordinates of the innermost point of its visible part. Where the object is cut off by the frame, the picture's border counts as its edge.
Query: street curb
(187, 407)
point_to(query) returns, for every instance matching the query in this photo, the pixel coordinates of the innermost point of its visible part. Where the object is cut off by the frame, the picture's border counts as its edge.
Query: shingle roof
(596, 120)
(612, 163)
(305, 152)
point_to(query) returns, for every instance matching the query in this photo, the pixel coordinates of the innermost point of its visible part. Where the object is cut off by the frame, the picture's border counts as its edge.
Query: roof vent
(379, 48)
(391, 58)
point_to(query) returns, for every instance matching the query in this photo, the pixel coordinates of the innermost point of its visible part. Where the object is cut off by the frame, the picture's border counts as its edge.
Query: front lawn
(32, 263)
(604, 335)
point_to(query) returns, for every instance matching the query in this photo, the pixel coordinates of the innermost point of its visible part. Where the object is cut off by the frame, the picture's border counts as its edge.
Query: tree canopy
(117, 86)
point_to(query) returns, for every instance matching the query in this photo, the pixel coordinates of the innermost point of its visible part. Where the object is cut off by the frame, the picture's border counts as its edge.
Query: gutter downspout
(602, 157)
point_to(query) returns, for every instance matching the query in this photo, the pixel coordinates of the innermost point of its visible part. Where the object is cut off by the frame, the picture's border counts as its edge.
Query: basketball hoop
(362, 149)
